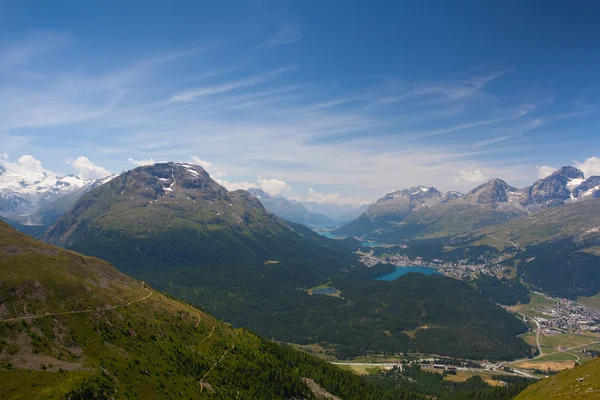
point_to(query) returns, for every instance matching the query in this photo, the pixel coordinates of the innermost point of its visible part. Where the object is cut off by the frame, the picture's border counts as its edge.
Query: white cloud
(236, 185)
(88, 170)
(5, 156)
(203, 163)
(26, 165)
(141, 163)
(17, 51)
(273, 186)
(589, 167)
(194, 93)
(470, 176)
(544, 171)
(213, 170)
(30, 164)
(286, 34)
(332, 198)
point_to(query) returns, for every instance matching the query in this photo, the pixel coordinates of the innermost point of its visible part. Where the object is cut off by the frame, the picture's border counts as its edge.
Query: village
(458, 270)
(562, 316)
(568, 316)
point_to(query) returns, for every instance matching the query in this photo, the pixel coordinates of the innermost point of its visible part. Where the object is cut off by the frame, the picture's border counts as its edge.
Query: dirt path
(215, 364)
(209, 335)
(74, 312)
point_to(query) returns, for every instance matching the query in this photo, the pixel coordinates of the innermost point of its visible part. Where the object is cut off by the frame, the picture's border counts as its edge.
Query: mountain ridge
(172, 226)
(490, 203)
(39, 197)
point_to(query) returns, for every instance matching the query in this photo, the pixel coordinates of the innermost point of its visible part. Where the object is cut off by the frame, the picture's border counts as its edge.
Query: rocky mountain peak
(569, 173)
(414, 193)
(259, 193)
(169, 181)
(494, 191)
(556, 188)
(590, 188)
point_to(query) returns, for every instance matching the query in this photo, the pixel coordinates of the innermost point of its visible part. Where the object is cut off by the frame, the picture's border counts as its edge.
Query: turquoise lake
(392, 276)
(371, 244)
(327, 234)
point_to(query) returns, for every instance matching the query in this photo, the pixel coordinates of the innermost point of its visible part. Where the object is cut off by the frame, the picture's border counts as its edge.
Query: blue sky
(330, 101)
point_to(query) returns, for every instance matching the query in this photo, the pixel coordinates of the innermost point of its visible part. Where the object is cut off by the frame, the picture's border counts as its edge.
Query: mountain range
(34, 200)
(75, 319)
(426, 212)
(175, 228)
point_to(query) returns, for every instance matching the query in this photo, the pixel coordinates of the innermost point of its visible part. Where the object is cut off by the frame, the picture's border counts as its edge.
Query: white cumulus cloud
(28, 163)
(88, 170)
(203, 163)
(545, 171)
(213, 170)
(235, 185)
(589, 167)
(24, 165)
(470, 176)
(141, 163)
(273, 186)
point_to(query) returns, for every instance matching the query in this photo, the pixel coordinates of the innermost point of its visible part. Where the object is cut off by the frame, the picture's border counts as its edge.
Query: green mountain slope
(73, 325)
(556, 249)
(175, 214)
(579, 383)
(175, 228)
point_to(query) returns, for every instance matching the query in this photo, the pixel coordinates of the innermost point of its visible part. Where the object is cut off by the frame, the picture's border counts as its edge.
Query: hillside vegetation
(579, 383)
(174, 227)
(73, 326)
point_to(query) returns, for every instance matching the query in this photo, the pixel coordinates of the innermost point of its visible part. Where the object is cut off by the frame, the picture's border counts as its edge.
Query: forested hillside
(74, 327)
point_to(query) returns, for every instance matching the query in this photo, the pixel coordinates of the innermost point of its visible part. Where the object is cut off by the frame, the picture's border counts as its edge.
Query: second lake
(392, 276)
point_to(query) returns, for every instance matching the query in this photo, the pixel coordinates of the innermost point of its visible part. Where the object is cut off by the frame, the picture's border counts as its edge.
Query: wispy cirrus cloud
(267, 120)
(19, 50)
(192, 94)
(286, 33)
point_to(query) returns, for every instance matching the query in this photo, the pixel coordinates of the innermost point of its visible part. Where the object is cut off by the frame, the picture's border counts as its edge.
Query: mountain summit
(419, 213)
(491, 192)
(176, 214)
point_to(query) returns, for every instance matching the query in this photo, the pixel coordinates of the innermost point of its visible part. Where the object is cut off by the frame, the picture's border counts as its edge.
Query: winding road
(537, 334)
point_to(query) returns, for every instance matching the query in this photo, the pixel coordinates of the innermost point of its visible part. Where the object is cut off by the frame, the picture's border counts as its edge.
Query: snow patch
(591, 191)
(574, 183)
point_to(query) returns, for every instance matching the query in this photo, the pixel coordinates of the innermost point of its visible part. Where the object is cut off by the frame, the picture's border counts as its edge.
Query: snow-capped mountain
(26, 196)
(422, 209)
